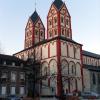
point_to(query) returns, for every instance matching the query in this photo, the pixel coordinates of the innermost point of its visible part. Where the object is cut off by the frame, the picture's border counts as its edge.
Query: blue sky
(14, 15)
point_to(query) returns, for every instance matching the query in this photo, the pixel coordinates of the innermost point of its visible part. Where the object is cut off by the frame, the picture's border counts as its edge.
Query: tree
(33, 77)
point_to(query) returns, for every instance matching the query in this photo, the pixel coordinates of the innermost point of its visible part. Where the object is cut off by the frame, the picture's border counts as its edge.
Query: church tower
(59, 21)
(68, 52)
(34, 31)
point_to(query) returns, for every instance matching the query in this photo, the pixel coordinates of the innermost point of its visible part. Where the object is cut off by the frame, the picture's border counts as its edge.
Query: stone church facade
(91, 71)
(64, 64)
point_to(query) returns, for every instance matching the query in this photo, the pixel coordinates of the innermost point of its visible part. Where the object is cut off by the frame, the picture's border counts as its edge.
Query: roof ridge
(88, 53)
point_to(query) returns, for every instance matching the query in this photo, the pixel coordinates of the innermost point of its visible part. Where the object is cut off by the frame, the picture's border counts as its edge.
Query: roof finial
(35, 5)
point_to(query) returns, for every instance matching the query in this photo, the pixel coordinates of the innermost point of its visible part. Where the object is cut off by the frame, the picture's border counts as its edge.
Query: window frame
(15, 76)
(23, 76)
(93, 79)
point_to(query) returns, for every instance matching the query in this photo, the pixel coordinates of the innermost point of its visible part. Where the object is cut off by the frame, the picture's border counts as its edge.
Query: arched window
(50, 22)
(45, 69)
(53, 67)
(62, 19)
(41, 33)
(67, 33)
(64, 65)
(53, 72)
(72, 68)
(55, 31)
(93, 78)
(50, 33)
(67, 22)
(36, 32)
(62, 31)
(55, 20)
(78, 69)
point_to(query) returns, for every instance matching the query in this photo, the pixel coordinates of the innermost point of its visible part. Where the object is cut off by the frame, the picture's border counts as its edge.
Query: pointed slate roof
(34, 16)
(58, 4)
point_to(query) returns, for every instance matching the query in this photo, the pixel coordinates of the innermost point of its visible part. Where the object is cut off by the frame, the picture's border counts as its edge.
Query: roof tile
(90, 54)
(34, 17)
(58, 4)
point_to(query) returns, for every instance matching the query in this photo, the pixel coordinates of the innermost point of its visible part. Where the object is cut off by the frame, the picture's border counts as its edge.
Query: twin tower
(58, 24)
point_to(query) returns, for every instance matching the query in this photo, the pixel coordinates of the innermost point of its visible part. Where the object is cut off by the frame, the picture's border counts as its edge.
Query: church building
(62, 60)
(60, 56)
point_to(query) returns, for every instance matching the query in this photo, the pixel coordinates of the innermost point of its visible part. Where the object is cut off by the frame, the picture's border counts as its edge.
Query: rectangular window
(22, 90)
(13, 76)
(13, 90)
(94, 79)
(21, 64)
(22, 76)
(3, 90)
(13, 64)
(4, 75)
(3, 78)
(4, 62)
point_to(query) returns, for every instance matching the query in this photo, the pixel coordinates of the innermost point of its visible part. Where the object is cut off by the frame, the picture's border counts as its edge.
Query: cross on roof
(35, 5)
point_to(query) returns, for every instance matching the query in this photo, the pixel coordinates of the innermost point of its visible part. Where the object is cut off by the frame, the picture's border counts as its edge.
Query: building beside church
(91, 71)
(12, 76)
(16, 76)
(64, 66)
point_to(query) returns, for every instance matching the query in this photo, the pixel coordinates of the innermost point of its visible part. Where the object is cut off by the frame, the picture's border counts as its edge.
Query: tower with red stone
(34, 31)
(59, 21)
(68, 51)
